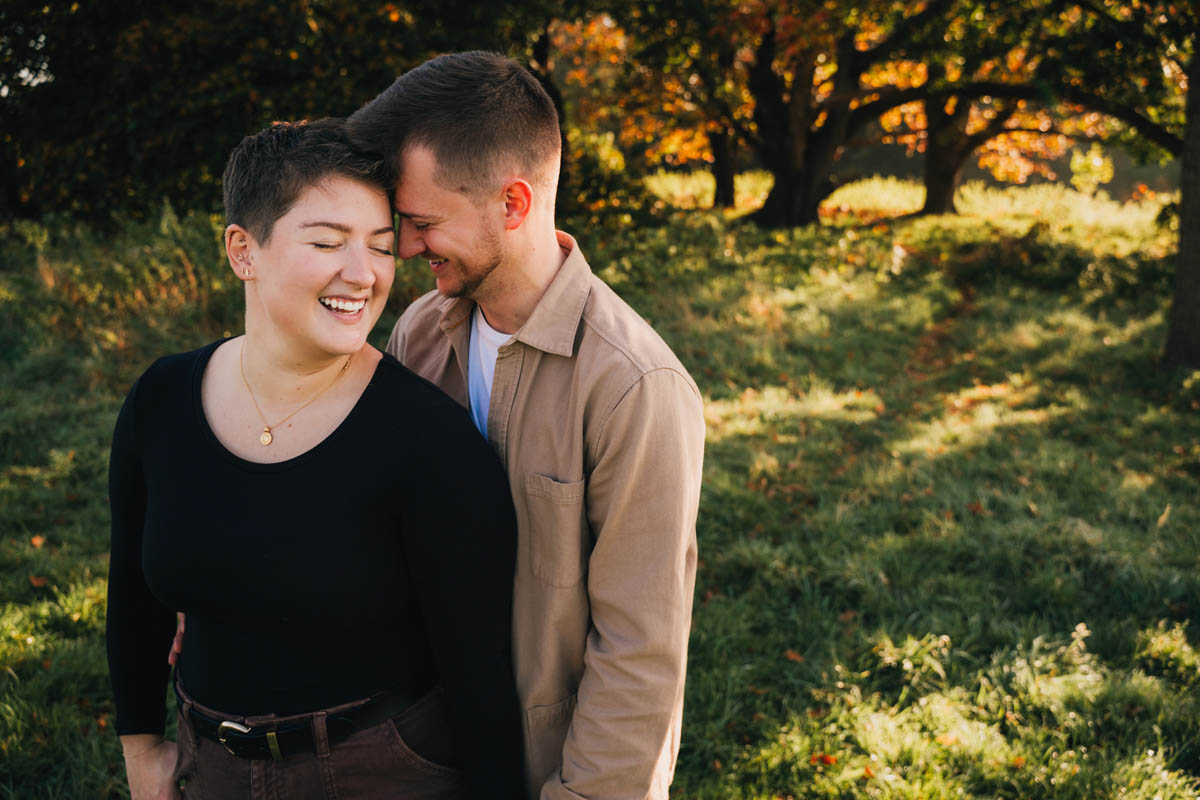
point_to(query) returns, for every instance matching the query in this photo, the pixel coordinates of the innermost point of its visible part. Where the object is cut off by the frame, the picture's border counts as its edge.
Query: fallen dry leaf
(1166, 515)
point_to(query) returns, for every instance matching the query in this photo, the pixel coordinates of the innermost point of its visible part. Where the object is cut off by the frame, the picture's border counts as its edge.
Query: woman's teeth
(347, 306)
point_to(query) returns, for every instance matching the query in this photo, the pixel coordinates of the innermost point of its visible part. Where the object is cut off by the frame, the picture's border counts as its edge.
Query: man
(599, 426)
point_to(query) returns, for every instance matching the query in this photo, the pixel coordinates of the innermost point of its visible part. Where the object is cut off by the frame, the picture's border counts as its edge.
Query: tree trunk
(941, 182)
(1183, 332)
(946, 151)
(799, 157)
(722, 168)
(785, 146)
(776, 211)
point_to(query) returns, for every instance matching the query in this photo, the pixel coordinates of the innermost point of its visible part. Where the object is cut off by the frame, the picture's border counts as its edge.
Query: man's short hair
(480, 113)
(268, 171)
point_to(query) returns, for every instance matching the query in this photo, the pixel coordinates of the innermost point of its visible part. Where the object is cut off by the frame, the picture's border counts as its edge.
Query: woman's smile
(343, 306)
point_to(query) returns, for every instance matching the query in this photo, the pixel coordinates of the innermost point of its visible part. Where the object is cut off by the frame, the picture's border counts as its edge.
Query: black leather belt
(269, 740)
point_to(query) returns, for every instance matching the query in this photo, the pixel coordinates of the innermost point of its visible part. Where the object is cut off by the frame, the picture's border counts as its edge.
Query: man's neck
(509, 296)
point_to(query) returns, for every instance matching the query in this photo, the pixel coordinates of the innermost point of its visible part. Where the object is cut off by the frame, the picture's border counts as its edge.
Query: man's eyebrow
(408, 215)
(337, 226)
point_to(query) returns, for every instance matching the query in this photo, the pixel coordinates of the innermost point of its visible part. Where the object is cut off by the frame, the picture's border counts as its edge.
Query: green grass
(950, 529)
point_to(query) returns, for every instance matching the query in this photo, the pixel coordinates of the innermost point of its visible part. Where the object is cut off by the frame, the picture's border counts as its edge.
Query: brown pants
(400, 758)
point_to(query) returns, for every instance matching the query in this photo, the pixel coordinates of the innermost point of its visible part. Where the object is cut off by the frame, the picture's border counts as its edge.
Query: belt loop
(182, 701)
(320, 734)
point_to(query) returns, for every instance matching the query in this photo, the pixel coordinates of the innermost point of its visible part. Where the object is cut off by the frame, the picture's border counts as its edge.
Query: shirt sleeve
(139, 628)
(461, 544)
(642, 498)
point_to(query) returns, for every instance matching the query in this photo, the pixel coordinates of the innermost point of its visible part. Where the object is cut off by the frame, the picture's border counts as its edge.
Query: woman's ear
(237, 247)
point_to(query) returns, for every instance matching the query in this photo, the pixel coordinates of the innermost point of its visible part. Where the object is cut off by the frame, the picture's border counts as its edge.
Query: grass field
(950, 530)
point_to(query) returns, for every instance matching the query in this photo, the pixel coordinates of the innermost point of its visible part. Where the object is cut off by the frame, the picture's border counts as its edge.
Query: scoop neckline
(262, 466)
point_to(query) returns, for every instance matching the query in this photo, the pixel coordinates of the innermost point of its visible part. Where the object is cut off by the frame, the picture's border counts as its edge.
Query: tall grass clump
(882, 195)
(696, 189)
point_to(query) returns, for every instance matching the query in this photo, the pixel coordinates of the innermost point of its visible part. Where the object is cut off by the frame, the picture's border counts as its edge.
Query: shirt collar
(555, 319)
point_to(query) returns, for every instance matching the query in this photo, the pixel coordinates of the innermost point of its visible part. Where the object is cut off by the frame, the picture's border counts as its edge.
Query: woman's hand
(149, 766)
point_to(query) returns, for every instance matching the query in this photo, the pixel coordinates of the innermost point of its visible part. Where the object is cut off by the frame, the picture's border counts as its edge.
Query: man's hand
(177, 644)
(149, 767)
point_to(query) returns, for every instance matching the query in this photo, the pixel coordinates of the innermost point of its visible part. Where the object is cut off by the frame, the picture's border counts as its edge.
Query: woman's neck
(281, 378)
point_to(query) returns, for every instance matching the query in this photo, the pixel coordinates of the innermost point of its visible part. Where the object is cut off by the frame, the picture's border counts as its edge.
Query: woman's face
(322, 278)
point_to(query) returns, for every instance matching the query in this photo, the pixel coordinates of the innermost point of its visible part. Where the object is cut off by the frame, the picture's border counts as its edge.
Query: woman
(295, 492)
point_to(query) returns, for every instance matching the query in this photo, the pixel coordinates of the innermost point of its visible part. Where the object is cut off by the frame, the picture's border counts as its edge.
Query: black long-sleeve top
(381, 559)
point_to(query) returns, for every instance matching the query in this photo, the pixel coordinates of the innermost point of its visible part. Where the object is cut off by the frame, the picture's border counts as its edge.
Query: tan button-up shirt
(602, 432)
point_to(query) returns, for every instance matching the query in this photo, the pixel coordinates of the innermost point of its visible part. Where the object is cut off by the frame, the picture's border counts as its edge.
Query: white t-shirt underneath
(481, 366)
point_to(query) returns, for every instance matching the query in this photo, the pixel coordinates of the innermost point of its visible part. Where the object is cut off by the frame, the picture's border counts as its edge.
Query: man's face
(449, 229)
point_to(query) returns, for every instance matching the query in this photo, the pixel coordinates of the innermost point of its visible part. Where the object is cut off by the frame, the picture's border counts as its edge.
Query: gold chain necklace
(266, 437)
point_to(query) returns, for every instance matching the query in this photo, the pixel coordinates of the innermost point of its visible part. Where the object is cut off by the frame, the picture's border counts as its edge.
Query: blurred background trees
(108, 109)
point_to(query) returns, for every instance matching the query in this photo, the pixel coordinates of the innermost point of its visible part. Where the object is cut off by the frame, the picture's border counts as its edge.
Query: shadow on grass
(993, 465)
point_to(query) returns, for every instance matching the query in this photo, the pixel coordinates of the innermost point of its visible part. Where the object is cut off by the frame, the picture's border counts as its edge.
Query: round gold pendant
(266, 437)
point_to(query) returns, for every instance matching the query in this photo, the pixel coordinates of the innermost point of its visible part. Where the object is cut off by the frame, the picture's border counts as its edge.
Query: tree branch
(1147, 128)
(901, 35)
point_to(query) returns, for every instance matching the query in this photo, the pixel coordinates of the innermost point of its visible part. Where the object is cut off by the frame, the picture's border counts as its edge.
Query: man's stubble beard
(475, 273)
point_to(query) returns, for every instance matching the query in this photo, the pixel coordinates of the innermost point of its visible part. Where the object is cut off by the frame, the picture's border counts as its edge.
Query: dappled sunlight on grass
(1031, 722)
(971, 416)
(935, 448)
(753, 411)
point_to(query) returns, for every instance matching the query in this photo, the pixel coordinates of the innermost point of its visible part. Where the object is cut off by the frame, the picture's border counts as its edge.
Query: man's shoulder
(426, 308)
(615, 332)
(418, 334)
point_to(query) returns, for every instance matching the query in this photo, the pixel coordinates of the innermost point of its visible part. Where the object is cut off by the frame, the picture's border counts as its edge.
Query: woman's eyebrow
(337, 226)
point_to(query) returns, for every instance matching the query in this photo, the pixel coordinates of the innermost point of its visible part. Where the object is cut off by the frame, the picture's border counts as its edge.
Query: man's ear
(237, 247)
(518, 200)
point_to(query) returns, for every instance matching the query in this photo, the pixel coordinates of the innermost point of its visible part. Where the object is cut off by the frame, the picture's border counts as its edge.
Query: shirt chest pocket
(557, 530)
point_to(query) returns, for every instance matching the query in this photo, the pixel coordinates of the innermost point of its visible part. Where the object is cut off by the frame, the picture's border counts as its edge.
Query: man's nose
(411, 244)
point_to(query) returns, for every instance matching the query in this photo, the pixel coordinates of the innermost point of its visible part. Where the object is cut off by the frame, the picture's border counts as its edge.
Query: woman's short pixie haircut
(480, 113)
(268, 171)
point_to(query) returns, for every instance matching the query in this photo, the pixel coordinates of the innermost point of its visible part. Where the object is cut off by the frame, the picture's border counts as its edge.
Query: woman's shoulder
(411, 389)
(174, 370)
(418, 406)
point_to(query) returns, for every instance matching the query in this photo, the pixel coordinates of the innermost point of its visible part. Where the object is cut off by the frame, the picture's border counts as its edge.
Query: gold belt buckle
(226, 727)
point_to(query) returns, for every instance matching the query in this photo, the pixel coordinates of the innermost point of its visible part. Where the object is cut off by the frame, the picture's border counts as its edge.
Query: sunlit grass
(949, 535)
(696, 189)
